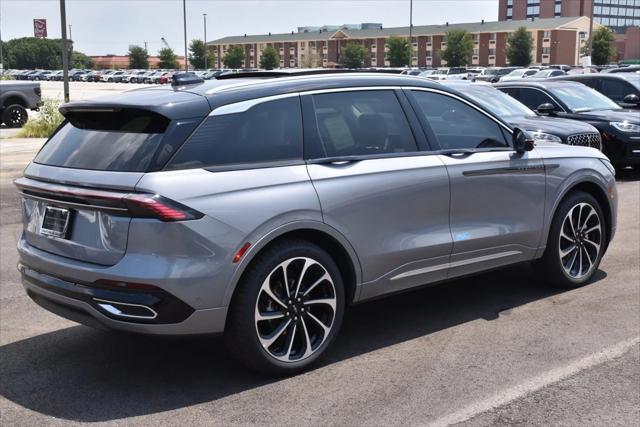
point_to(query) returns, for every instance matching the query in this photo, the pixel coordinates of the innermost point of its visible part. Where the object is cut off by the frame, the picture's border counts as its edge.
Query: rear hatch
(79, 191)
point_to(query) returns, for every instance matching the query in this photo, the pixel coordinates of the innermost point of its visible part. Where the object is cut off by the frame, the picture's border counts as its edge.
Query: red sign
(40, 28)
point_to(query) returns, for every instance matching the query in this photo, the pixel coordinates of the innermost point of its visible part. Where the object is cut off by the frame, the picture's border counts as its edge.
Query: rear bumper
(94, 307)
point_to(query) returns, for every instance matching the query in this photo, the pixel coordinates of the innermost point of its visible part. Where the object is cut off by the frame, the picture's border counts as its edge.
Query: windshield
(517, 73)
(580, 98)
(499, 103)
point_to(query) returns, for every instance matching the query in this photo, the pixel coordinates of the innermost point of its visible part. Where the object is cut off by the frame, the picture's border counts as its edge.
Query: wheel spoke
(266, 342)
(324, 327)
(586, 252)
(565, 252)
(267, 289)
(307, 264)
(594, 228)
(570, 216)
(273, 315)
(309, 349)
(579, 217)
(328, 301)
(592, 243)
(286, 279)
(572, 262)
(292, 338)
(325, 276)
(592, 212)
(580, 264)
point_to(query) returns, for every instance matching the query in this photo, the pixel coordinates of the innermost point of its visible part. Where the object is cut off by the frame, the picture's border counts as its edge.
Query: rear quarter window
(267, 132)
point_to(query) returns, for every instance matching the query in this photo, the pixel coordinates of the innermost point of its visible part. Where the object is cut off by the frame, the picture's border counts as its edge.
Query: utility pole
(145, 46)
(70, 36)
(591, 32)
(206, 50)
(65, 51)
(184, 15)
(411, 24)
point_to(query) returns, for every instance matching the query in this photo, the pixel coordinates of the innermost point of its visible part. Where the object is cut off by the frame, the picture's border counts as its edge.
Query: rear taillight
(139, 205)
(155, 206)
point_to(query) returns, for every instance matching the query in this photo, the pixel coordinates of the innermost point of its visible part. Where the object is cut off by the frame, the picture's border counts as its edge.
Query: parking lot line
(536, 383)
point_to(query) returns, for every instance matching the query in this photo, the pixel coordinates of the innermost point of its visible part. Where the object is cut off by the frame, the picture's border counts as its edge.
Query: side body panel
(395, 213)
(497, 208)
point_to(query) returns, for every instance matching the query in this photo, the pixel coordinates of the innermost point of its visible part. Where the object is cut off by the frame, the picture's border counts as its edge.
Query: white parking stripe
(536, 383)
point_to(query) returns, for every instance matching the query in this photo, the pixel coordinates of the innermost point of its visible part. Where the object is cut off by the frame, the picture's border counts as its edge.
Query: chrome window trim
(452, 95)
(243, 106)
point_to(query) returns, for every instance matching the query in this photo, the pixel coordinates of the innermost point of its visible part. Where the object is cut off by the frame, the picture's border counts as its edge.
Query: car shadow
(81, 374)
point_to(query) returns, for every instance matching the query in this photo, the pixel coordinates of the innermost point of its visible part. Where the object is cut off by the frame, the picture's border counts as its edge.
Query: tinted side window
(362, 123)
(270, 131)
(616, 89)
(533, 98)
(457, 125)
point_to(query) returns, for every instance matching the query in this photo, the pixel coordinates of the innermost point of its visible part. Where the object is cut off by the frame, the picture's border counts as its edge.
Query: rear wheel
(287, 310)
(15, 116)
(576, 241)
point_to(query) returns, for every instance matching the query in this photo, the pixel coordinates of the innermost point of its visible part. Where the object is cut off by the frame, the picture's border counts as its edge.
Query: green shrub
(45, 122)
(6, 77)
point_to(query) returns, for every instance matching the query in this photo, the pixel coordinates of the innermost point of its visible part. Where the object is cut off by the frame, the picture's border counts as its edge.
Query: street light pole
(65, 51)
(184, 15)
(591, 32)
(206, 50)
(411, 22)
(70, 36)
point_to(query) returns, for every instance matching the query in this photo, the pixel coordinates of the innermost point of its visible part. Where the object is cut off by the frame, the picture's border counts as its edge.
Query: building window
(558, 9)
(546, 50)
(492, 37)
(492, 51)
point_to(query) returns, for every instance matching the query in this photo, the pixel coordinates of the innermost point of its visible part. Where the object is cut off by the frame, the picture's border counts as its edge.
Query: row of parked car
(496, 74)
(160, 76)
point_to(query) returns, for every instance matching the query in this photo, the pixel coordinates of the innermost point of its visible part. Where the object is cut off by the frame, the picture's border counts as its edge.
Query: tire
(264, 344)
(563, 266)
(15, 116)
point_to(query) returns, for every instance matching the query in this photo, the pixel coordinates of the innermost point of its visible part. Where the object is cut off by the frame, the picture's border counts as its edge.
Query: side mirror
(522, 141)
(546, 108)
(632, 98)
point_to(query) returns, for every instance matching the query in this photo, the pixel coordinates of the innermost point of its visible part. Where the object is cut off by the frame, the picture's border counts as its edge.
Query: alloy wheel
(580, 240)
(295, 309)
(17, 116)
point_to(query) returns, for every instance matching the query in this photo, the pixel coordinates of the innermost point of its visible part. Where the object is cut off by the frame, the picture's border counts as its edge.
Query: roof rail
(294, 73)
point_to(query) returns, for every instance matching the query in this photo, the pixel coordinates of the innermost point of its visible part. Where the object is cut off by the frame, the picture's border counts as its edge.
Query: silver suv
(263, 208)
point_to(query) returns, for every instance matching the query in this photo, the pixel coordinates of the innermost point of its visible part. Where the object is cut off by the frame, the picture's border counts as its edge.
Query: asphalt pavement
(497, 349)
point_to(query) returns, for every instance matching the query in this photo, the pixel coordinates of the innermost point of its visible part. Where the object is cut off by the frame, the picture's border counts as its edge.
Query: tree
(138, 57)
(32, 53)
(353, 55)
(80, 60)
(197, 53)
(168, 58)
(519, 45)
(399, 54)
(459, 48)
(603, 48)
(310, 60)
(234, 58)
(269, 59)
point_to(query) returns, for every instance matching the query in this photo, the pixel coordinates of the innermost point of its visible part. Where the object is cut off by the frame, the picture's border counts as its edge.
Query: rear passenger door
(376, 186)
(497, 194)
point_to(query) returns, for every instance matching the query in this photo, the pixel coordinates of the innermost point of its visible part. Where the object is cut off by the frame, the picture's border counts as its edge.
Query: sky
(101, 27)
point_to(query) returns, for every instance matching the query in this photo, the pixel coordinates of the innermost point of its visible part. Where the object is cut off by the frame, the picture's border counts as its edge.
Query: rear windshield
(122, 140)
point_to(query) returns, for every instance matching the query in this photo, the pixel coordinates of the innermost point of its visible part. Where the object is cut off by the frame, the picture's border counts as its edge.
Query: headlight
(546, 137)
(625, 126)
(609, 166)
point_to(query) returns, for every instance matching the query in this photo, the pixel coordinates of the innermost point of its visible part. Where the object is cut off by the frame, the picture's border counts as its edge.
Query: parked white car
(518, 74)
(449, 73)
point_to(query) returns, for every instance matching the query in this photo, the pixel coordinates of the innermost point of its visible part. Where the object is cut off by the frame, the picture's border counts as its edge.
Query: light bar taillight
(139, 205)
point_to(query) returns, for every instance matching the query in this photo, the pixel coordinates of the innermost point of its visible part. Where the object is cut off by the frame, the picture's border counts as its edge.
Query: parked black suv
(541, 128)
(623, 88)
(619, 128)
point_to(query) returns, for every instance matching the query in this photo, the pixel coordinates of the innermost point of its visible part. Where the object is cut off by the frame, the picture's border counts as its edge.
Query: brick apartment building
(622, 16)
(557, 40)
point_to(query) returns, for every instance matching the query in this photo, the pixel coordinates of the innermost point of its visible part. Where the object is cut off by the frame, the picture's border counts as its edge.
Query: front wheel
(287, 310)
(576, 243)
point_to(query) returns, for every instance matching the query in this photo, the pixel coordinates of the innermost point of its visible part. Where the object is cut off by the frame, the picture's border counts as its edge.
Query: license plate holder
(55, 222)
